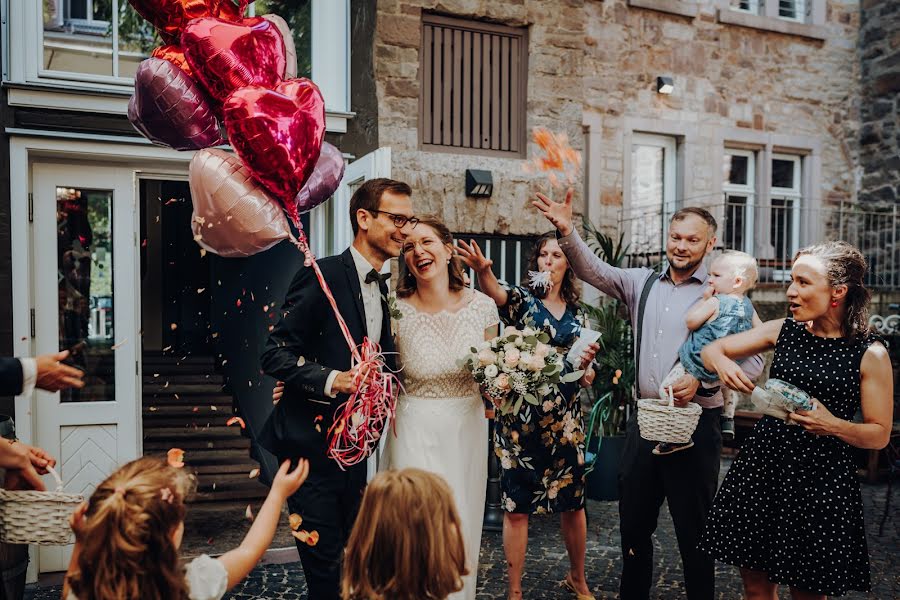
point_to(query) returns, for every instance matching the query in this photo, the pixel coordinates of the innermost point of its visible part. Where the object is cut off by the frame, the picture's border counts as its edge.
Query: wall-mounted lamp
(479, 184)
(665, 85)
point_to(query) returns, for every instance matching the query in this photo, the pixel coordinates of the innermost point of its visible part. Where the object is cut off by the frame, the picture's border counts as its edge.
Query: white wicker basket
(661, 421)
(30, 517)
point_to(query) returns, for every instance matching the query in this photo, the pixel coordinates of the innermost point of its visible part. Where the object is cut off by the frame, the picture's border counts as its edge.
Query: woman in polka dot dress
(790, 511)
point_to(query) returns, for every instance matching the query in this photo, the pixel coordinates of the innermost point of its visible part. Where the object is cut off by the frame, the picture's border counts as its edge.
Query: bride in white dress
(440, 422)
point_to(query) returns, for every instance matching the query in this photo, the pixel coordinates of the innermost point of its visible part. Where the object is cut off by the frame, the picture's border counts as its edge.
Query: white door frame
(25, 151)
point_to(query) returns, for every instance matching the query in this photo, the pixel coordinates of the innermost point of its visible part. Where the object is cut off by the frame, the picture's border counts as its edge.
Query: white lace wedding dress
(440, 419)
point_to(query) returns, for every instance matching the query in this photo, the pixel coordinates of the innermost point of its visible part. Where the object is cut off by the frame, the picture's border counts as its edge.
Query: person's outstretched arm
(720, 355)
(240, 561)
(590, 268)
(474, 258)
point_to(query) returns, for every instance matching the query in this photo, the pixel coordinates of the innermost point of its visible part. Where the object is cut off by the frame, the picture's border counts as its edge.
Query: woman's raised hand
(472, 255)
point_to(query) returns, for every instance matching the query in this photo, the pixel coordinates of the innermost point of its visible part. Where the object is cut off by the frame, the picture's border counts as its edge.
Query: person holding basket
(657, 304)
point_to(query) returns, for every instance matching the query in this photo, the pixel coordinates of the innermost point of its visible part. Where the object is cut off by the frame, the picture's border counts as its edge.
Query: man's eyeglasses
(400, 221)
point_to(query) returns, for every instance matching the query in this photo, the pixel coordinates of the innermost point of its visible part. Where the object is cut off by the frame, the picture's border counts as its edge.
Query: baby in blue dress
(724, 310)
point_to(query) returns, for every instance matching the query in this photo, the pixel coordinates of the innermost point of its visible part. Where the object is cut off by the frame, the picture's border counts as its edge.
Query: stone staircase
(184, 406)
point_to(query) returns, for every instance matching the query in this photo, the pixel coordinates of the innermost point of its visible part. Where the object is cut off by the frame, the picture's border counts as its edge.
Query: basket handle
(59, 483)
(671, 396)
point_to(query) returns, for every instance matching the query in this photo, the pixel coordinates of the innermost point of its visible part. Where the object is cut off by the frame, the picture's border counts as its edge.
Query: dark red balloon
(174, 55)
(170, 109)
(278, 134)
(324, 181)
(171, 16)
(228, 56)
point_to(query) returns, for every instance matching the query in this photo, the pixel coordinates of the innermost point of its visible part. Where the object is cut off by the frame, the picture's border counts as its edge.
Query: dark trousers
(687, 480)
(328, 503)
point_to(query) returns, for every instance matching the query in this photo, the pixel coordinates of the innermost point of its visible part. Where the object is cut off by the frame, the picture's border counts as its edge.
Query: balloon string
(359, 423)
(310, 261)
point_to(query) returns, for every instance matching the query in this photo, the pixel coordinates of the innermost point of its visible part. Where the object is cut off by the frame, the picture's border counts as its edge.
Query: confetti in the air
(558, 157)
(253, 474)
(295, 520)
(118, 345)
(237, 420)
(175, 457)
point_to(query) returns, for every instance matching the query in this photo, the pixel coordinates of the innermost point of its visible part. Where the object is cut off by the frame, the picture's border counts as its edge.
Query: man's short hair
(368, 196)
(704, 214)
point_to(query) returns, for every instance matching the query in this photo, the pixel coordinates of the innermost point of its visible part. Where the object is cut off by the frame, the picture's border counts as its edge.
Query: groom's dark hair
(368, 196)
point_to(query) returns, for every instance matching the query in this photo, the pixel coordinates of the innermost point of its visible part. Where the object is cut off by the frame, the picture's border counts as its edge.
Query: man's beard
(688, 268)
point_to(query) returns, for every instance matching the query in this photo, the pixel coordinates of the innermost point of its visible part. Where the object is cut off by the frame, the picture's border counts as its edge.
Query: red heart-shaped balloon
(171, 16)
(278, 134)
(228, 56)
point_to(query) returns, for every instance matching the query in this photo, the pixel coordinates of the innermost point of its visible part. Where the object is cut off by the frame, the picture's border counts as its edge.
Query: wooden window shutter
(473, 92)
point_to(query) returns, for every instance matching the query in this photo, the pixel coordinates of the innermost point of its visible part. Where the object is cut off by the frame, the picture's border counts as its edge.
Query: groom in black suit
(307, 351)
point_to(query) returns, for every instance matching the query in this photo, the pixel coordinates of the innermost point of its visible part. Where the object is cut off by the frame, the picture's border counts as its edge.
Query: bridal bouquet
(517, 367)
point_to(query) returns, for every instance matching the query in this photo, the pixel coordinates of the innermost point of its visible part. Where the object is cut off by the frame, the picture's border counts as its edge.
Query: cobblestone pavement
(546, 561)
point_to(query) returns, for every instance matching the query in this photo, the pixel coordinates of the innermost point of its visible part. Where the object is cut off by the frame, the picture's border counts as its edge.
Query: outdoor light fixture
(664, 85)
(479, 184)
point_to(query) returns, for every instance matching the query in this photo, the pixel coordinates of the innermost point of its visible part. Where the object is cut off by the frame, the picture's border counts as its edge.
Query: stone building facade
(765, 88)
(879, 47)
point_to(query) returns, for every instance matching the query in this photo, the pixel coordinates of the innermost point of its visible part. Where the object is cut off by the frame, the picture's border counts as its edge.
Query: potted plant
(611, 395)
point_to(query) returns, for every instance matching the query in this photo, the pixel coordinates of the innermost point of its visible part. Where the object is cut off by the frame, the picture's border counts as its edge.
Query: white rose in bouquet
(525, 357)
(502, 381)
(542, 350)
(512, 358)
(491, 371)
(536, 363)
(486, 357)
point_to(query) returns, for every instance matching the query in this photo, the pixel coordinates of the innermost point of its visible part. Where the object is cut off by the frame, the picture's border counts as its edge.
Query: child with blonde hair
(724, 310)
(128, 534)
(407, 542)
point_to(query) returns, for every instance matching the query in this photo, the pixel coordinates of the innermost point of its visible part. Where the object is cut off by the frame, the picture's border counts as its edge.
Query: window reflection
(85, 289)
(298, 14)
(78, 37)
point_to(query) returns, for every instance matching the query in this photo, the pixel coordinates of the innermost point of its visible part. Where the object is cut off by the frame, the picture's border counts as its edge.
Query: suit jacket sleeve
(11, 376)
(297, 334)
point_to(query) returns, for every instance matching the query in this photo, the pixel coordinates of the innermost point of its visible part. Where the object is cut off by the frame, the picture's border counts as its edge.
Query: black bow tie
(375, 276)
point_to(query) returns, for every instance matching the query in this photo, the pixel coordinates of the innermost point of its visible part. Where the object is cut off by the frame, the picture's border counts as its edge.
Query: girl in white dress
(440, 423)
(128, 534)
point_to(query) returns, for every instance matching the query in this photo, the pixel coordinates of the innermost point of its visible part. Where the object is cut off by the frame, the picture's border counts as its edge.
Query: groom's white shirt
(371, 298)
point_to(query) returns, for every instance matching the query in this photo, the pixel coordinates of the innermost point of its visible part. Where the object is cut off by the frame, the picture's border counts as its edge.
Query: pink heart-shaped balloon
(324, 181)
(171, 16)
(228, 56)
(290, 49)
(170, 109)
(233, 215)
(278, 134)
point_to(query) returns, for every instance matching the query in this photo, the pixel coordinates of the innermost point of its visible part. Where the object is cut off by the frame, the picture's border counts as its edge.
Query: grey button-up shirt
(664, 328)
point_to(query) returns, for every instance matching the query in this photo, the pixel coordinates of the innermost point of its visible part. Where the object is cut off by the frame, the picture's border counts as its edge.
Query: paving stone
(546, 562)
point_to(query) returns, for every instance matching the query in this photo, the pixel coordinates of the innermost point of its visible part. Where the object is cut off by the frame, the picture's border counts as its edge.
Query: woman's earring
(834, 303)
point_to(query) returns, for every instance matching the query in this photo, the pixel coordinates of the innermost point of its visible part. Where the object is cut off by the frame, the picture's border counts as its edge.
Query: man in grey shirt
(686, 479)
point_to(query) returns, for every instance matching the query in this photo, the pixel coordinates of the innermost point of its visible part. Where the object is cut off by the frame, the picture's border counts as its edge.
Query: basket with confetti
(32, 517)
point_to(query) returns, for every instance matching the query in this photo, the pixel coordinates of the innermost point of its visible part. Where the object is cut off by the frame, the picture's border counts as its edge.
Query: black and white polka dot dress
(790, 505)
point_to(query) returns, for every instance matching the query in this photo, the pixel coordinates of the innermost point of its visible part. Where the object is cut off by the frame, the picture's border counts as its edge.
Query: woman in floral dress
(541, 449)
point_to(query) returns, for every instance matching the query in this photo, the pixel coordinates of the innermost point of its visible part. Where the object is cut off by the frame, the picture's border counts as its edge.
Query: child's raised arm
(702, 312)
(240, 561)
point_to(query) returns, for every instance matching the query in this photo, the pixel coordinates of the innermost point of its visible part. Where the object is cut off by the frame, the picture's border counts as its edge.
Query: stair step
(196, 444)
(186, 378)
(189, 400)
(188, 420)
(182, 389)
(213, 432)
(161, 408)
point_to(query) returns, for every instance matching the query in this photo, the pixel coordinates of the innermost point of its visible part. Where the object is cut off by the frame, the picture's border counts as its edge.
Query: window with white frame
(748, 6)
(785, 196)
(651, 197)
(790, 10)
(739, 189)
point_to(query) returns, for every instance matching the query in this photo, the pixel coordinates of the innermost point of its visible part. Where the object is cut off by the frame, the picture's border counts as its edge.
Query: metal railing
(774, 232)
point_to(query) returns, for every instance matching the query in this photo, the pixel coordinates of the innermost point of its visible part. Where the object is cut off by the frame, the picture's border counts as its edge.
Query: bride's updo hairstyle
(845, 265)
(407, 284)
(407, 542)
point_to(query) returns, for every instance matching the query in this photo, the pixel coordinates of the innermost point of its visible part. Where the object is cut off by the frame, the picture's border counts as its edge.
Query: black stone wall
(879, 40)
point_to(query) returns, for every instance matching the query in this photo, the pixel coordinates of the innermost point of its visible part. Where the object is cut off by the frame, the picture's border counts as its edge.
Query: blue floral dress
(541, 449)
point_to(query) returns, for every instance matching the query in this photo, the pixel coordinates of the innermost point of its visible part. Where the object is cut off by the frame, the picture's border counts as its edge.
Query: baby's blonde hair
(744, 266)
(126, 546)
(407, 543)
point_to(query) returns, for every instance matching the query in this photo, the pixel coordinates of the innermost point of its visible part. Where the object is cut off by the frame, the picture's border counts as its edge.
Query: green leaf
(570, 377)
(544, 337)
(531, 399)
